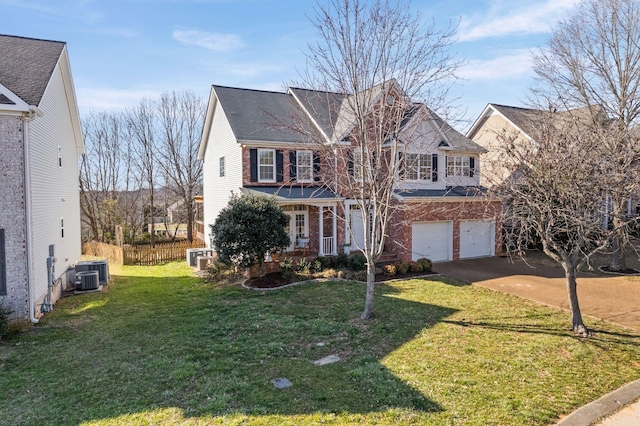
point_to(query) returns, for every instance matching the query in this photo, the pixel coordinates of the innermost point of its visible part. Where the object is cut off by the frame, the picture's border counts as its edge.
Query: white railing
(328, 245)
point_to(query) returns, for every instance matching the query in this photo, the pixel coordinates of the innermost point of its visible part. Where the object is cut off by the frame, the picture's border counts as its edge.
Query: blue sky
(124, 50)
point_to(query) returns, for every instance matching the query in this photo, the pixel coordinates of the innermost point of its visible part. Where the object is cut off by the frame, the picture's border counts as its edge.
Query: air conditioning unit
(95, 265)
(87, 280)
(194, 253)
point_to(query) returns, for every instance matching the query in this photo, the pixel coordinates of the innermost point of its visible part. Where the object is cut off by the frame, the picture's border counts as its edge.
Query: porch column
(321, 232)
(335, 229)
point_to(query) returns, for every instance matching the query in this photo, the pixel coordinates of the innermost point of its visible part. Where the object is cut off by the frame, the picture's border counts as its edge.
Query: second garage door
(432, 240)
(477, 238)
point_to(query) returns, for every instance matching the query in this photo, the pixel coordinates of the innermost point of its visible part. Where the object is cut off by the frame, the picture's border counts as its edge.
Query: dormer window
(418, 167)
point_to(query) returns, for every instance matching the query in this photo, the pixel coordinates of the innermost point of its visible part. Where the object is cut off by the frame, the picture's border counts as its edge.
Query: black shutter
(400, 165)
(316, 167)
(350, 163)
(3, 266)
(279, 166)
(434, 167)
(472, 166)
(293, 165)
(253, 164)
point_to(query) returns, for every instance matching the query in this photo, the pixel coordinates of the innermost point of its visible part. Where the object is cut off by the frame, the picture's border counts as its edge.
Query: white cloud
(502, 19)
(212, 41)
(513, 65)
(107, 99)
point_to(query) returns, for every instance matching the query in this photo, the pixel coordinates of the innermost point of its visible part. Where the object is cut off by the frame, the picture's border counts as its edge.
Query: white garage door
(477, 238)
(431, 240)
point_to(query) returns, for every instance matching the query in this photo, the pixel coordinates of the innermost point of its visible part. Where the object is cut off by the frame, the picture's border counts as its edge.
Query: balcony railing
(328, 245)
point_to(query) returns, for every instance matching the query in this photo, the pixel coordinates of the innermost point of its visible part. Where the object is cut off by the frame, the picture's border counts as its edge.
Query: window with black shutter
(253, 165)
(279, 166)
(293, 165)
(472, 166)
(434, 167)
(316, 167)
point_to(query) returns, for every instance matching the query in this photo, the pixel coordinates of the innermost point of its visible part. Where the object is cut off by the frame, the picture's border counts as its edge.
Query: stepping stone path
(281, 383)
(329, 359)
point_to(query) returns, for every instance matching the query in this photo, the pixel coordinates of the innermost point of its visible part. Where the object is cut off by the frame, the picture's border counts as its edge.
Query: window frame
(422, 172)
(272, 166)
(59, 156)
(300, 175)
(62, 228)
(221, 166)
(458, 166)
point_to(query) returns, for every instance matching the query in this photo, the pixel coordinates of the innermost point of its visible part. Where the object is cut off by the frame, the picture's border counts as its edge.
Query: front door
(297, 227)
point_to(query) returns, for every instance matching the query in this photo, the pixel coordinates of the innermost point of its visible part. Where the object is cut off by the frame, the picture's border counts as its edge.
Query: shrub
(218, 272)
(286, 266)
(415, 267)
(403, 267)
(4, 320)
(304, 266)
(318, 266)
(341, 261)
(340, 274)
(329, 273)
(356, 275)
(427, 266)
(389, 270)
(357, 262)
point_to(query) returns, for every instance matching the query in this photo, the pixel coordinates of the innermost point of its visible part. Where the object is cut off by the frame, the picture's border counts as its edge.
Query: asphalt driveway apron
(608, 297)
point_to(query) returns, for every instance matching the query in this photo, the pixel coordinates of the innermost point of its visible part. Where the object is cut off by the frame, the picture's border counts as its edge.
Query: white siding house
(40, 212)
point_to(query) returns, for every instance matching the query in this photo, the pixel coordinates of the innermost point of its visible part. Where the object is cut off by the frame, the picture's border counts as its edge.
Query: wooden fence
(140, 254)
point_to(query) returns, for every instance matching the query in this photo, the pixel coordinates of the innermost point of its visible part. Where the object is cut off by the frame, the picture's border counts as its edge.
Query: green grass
(160, 347)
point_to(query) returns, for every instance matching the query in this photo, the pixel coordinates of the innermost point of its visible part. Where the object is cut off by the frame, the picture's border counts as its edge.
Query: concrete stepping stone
(281, 383)
(329, 359)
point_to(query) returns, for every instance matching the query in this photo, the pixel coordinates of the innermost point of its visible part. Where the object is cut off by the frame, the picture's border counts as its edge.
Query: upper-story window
(358, 166)
(59, 156)
(460, 166)
(304, 166)
(418, 167)
(266, 165)
(221, 166)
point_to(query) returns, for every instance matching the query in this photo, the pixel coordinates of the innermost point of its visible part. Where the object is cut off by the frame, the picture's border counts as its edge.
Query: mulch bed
(276, 280)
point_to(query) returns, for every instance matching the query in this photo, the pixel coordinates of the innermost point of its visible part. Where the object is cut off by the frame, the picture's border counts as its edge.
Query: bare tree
(141, 127)
(180, 120)
(554, 196)
(372, 60)
(593, 60)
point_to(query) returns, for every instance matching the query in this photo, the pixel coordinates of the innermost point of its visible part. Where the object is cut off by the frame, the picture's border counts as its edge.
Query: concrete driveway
(608, 297)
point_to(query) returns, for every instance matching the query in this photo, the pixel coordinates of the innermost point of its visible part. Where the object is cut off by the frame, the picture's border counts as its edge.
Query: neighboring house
(247, 147)
(40, 138)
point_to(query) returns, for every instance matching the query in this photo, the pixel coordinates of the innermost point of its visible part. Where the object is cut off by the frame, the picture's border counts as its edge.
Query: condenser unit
(87, 280)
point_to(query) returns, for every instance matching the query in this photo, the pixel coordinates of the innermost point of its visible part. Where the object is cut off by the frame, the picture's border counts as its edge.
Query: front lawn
(161, 347)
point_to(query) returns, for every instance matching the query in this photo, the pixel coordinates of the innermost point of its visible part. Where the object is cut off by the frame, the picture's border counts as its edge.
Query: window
(221, 166)
(61, 227)
(357, 165)
(418, 167)
(266, 165)
(59, 156)
(304, 166)
(459, 166)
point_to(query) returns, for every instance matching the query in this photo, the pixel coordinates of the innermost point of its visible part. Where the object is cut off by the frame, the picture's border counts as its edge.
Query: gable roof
(256, 115)
(26, 65)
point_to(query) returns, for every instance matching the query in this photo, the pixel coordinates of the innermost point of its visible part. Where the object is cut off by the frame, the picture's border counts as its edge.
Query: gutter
(28, 117)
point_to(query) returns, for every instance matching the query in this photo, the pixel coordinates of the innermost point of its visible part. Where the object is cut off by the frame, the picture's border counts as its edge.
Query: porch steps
(387, 259)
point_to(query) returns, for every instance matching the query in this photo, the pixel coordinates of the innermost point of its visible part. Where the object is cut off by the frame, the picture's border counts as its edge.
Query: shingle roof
(256, 115)
(26, 65)
(295, 192)
(524, 118)
(456, 139)
(449, 191)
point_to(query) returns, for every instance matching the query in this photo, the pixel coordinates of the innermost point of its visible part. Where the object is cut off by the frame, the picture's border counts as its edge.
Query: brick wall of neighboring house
(12, 215)
(400, 229)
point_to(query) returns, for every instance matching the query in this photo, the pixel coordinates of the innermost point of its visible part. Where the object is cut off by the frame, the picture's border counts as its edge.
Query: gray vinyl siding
(216, 190)
(54, 189)
(12, 217)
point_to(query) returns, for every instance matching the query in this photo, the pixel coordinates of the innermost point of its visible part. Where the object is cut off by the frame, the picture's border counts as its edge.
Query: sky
(122, 51)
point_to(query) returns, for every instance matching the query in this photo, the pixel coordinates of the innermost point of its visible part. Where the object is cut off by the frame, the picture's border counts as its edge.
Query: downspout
(26, 118)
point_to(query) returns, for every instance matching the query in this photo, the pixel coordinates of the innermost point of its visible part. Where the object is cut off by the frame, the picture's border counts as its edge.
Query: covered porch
(313, 218)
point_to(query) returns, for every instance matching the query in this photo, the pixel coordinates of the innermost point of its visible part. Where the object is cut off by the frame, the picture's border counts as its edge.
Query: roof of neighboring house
(449, 191)
(256, 115)
(293, 192)
(26, 66)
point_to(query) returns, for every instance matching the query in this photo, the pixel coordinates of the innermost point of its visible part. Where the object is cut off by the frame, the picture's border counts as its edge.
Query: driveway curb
(603, 406)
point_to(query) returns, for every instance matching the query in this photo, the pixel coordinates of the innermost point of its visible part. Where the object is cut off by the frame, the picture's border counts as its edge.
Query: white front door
(297, 227)
(357, 229)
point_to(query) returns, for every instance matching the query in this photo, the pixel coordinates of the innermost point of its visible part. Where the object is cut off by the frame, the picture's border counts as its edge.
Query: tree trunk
(371, 281)
(576, 316)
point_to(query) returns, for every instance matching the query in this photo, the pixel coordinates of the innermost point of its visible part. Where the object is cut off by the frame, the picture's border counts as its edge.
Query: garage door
(431, 240)
(477, 238)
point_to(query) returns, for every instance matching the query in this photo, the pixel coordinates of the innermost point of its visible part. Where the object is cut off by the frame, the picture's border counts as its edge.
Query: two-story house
(41, 139)
(252, 143)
